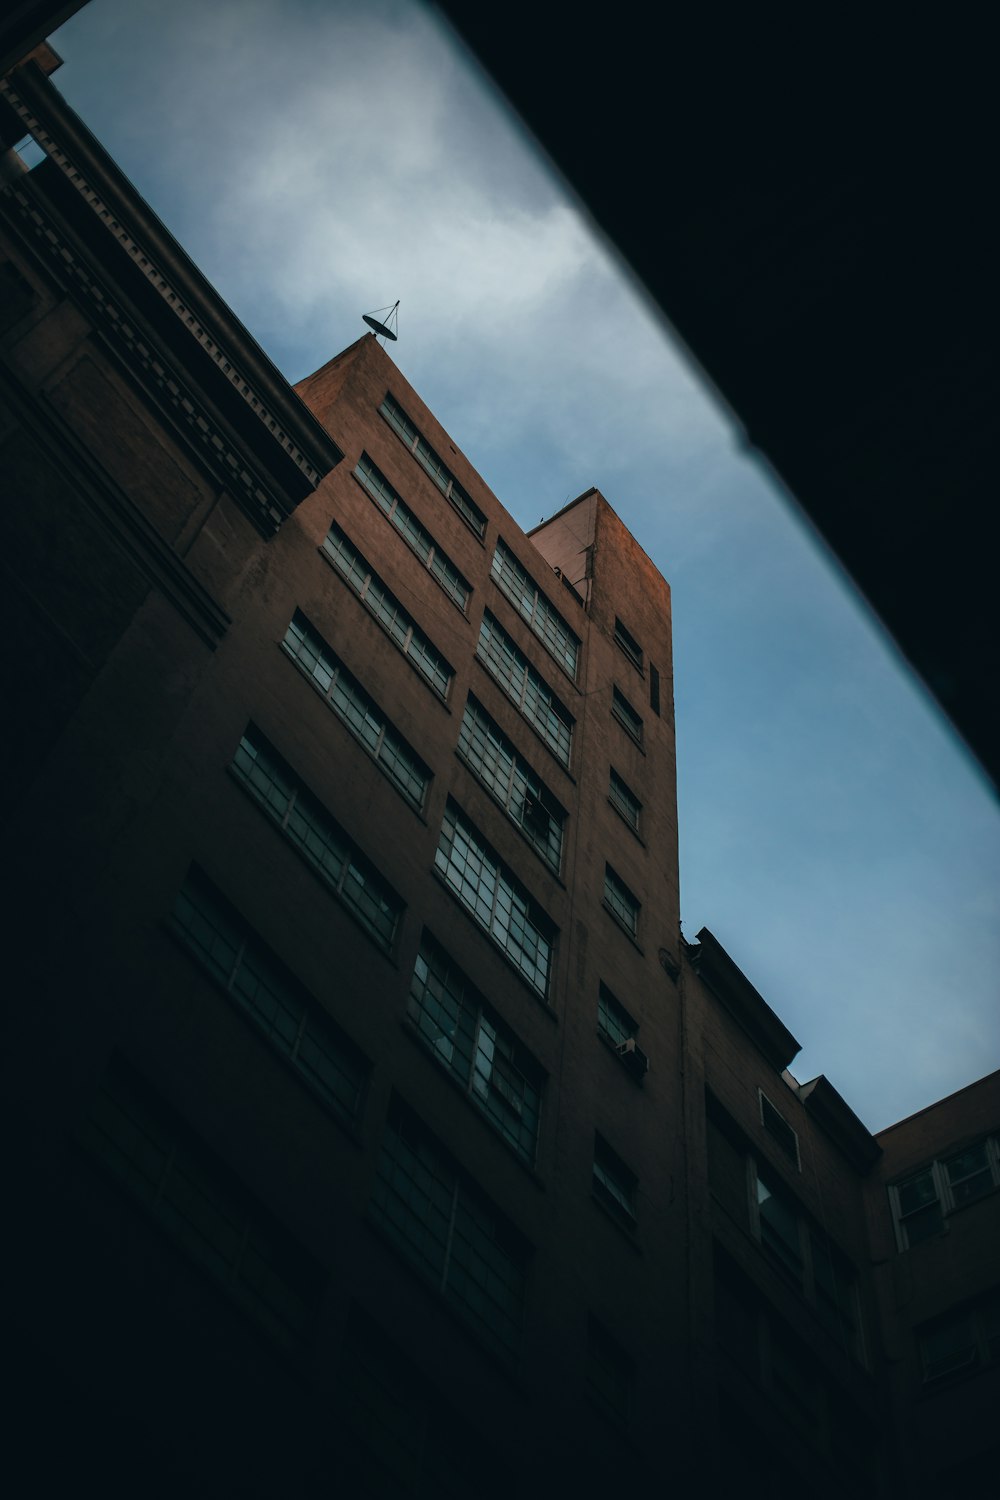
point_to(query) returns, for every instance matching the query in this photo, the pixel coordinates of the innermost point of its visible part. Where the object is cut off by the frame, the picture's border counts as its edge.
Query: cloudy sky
(320, 158)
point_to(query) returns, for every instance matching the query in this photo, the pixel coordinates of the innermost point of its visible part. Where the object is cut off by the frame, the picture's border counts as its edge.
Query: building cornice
(733, 989)
(830, 1110)
(253, 430)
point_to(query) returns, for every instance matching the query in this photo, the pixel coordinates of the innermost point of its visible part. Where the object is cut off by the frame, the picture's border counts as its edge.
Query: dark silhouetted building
(370, 1125)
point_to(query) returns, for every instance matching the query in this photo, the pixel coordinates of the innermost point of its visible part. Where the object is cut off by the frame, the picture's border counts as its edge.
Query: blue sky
(319, 160)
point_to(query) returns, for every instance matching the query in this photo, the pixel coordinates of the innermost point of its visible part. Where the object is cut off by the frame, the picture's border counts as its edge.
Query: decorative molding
(154, 558)
(152, 370)
(266, 505)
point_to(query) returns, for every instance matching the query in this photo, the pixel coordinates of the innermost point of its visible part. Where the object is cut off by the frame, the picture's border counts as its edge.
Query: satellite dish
(383, 327)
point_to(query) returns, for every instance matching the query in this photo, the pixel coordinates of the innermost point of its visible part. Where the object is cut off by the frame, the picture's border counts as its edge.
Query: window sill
(623, 929)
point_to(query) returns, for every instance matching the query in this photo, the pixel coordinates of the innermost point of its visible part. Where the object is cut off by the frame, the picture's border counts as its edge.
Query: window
(613, 1184)
(268, 995)
(971, 1173)
(794, 1379)
(768, 1352)
(403, 1437)
(779, 1130)
(388, 611)
(620, 901)
(807, 1257)
(450, 1232)
(610, 1373)
(628, 643)
(31, 153)
(624, 800)
(468, 1038)
(357, 710)
(417, 538)
(918, 1207)
(525, 688)
(626, 715)
(778, 1226)
(203, 1208)
(965, 1338)
(544, 619)
(773, 1215)
(922, 1201)
(496, 899)
(613, 1021)
(434, 466)
(314, 834)
(835, 1292)
(490, 755)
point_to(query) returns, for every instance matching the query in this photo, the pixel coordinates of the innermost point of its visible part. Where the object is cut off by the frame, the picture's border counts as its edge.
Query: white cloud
(320, 160)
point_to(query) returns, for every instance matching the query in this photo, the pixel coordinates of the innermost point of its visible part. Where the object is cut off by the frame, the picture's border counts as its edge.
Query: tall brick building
(372, 1124)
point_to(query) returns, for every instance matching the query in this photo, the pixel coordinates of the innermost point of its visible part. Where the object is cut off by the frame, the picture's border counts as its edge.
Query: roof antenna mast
(384, 328)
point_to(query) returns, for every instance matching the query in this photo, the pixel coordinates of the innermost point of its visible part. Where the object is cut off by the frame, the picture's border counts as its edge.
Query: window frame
(789, 1257)
(629, 719)
(627, 898)
(621, 798)
(944, 1197)
(391, 504)
(610, 1003)
(387, 737)
(355, 864)
(982, 1346)
(793, 1156)
(372, 591)
(434, 1259)
(256, 1236)
(614, 1396)
(613, 1184)
(534, 700)
(433, 466)
(846, 1325)
(504, 1054)
(629, 646)
(541, 615)
(313, 1027)
(522, 786)
(483, 910)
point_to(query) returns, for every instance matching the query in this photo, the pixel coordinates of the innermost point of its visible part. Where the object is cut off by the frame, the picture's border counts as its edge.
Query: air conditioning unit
(633, 1057)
